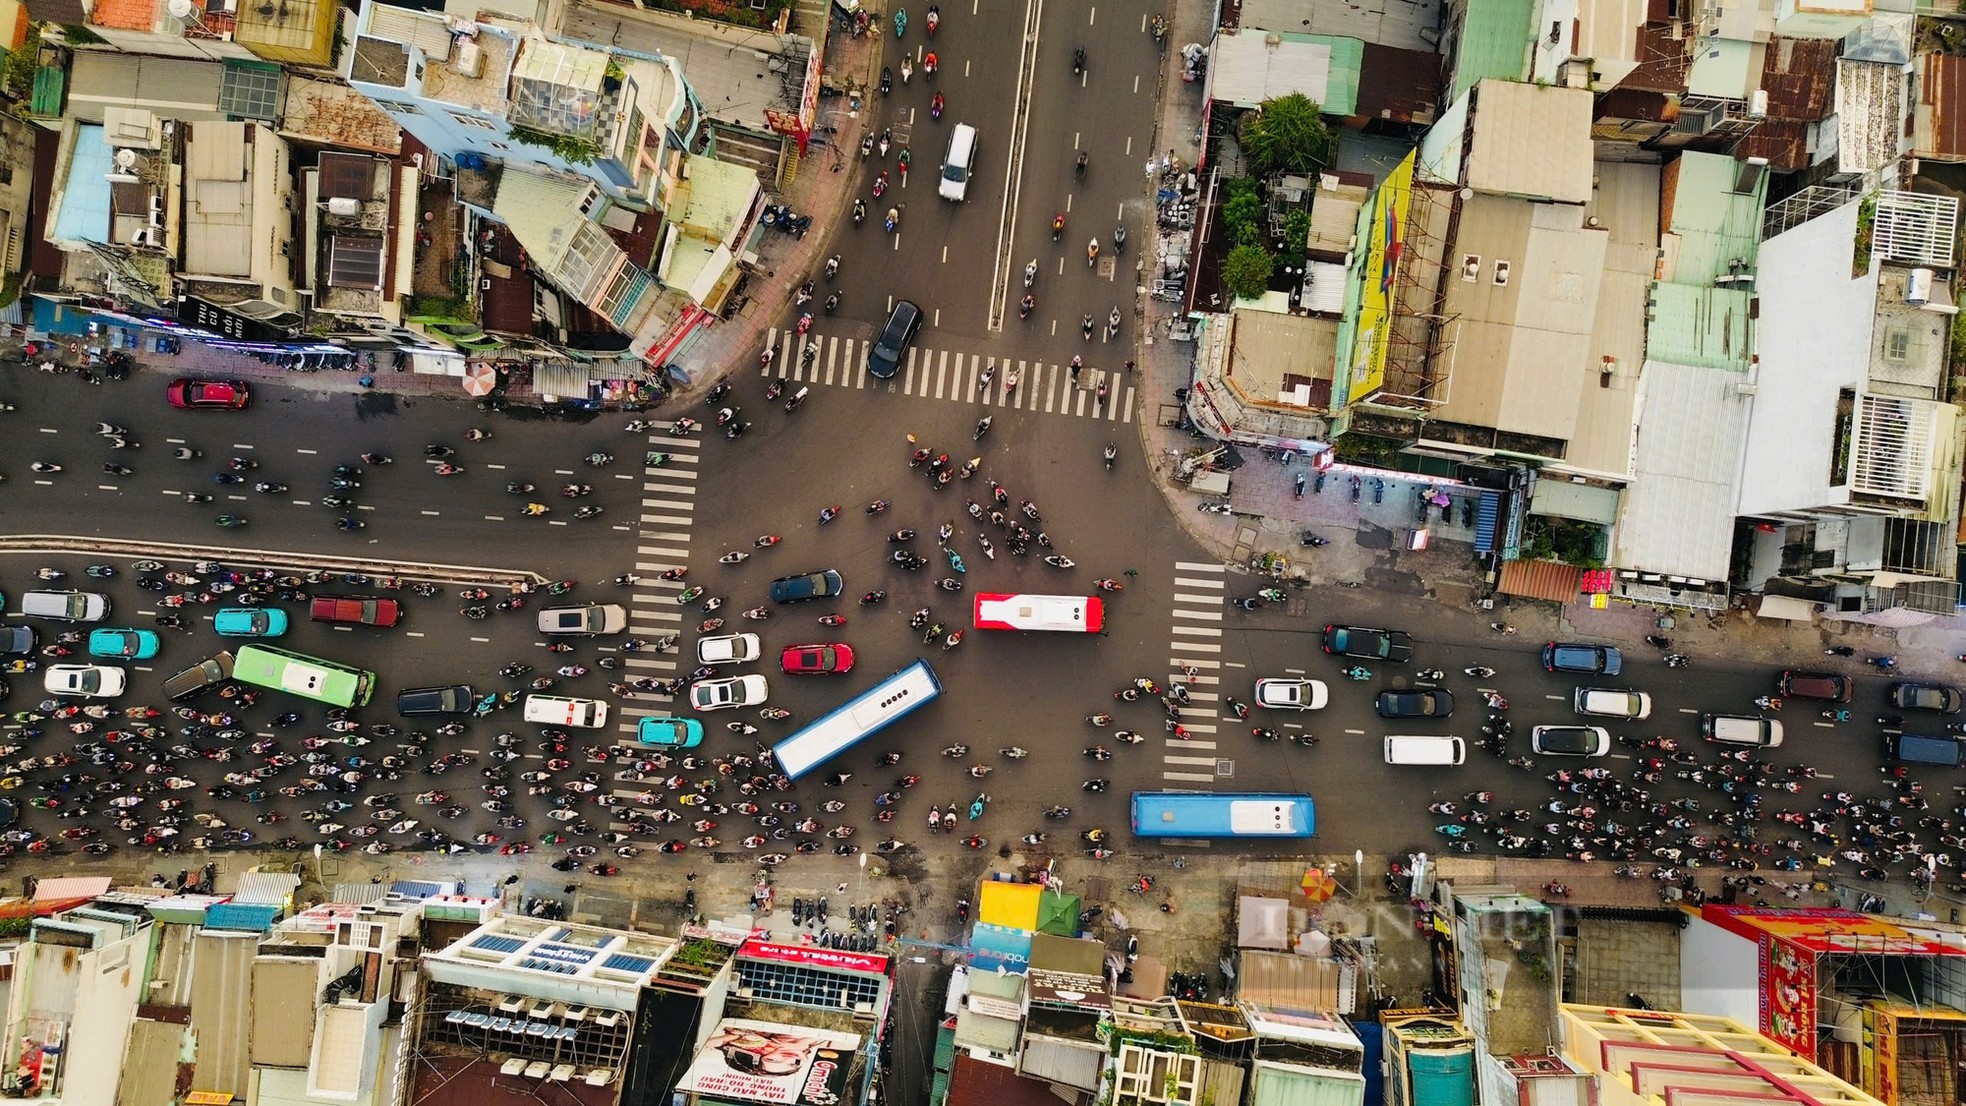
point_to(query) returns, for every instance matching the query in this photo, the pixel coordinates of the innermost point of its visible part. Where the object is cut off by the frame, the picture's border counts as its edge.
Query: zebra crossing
(661, 543)
(954, 376)
(1195, 642)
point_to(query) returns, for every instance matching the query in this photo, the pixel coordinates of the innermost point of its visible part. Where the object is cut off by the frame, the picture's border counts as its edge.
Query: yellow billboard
(1383, 233)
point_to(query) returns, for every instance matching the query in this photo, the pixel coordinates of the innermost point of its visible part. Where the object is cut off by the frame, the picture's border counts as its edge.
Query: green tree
(1286, 134)
(1296, 235)
(1246, 271)
(1243, 216)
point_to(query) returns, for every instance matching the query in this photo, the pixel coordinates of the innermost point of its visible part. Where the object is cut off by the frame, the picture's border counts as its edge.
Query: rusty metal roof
(1799, 76)
(1940, 108)
(1662, 61)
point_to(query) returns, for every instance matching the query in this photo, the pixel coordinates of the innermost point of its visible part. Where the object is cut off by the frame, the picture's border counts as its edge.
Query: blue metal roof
(254, 917)
(84, 214)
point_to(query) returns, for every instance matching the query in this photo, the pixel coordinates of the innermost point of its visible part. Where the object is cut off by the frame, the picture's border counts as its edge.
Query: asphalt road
(963, 262)
(1003, 689)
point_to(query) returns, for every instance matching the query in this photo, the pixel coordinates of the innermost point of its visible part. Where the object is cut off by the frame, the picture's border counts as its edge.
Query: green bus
(298, 674)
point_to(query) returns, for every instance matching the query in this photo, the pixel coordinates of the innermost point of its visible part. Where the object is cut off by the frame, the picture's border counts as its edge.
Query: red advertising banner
(812, 957)
(1788, 995)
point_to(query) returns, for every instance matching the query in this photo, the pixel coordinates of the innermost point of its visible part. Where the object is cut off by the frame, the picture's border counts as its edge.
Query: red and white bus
(1071, 614)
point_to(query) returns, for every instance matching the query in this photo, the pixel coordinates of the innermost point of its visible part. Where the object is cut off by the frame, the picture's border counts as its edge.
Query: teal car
(680, 733)
(134, 645)
(250, 622)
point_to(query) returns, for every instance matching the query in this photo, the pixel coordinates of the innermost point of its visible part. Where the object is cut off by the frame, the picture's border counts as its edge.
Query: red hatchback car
(227, 395)
(361, 610)
(812, 660)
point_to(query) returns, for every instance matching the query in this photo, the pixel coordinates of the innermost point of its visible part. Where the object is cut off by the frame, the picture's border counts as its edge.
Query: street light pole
(1358, 868)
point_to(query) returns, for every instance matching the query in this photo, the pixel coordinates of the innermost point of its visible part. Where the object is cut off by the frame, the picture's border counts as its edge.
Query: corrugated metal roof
(175, 88)
(1799, 75)
(422, 30)
(1941, 111)
(1692, 325)
(360, 894)
(543, 213)
(221, 1009)
(265, 887)
(1073, 1063)
(1870, 100)
(1678, 512)
(1400, 85)
(1495, 42)
(149, 1063)
(974, 1030)
(253, 917)
(1714, 225)
(283, 1009)
(1249, 67)
(1273, 1084)
(975, 1083)
(70, 887)
(1531, 141)
(1286, 981)
(1551, 580)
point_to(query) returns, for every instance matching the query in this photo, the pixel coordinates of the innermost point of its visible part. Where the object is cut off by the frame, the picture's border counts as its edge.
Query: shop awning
(1551, 580)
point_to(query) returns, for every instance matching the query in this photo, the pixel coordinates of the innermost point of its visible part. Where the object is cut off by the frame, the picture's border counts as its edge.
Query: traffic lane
(1352, 783)
(298, 442)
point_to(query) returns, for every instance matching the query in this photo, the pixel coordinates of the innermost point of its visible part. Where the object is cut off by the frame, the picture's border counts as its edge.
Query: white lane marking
(412, 633)
(309, 452)
(489, 465)
(110, 487)
(494, 518)
(49, 430)
(431, 512)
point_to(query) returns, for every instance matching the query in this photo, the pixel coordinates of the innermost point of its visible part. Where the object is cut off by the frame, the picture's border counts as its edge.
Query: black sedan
(1368, 644)
(1419, 702)
(1937, 697)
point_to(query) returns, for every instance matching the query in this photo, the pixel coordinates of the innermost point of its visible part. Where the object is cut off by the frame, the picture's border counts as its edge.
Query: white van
(1742, 729)
(957, 165)
(69, 606)
(560, 710)
(1612, 703)
(1426, 750)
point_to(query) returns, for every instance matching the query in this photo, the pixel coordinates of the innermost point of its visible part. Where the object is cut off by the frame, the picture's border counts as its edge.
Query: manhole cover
(1225, 768)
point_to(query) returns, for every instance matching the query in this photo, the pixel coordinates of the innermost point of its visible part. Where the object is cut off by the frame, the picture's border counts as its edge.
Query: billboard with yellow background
(1384, 238)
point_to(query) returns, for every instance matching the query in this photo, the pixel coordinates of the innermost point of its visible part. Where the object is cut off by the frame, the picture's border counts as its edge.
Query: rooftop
(1406, 24)
(1677, 517)
(218, 201)
(333, 113)
(1713, 226)
(597, 966)
(1625, 208)
(1521, 308)
(556, 88)
(1939, 116)
(1691, 1057)
(1530, 141)
(1252, 66)
(1279, 359)
(1495, 35)
(734, 71)
(1870, 100)
(486, 92)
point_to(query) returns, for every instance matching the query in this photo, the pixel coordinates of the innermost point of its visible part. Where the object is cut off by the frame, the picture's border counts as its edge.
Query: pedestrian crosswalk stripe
(1201, 616)
(665, 518)
(1199, 631)
(955, 376)
(1190, 582)
(1200, 566)
(685, 504)
(1209, 601)
(1197, 664)
(1199, 646)
(667, 535)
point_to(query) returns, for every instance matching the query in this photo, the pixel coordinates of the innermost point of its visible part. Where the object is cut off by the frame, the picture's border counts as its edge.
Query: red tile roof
(975, 1083)
(125, 15)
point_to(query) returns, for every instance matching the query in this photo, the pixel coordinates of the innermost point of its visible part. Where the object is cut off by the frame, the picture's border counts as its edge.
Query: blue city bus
(1213, 814)
(860, 717)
